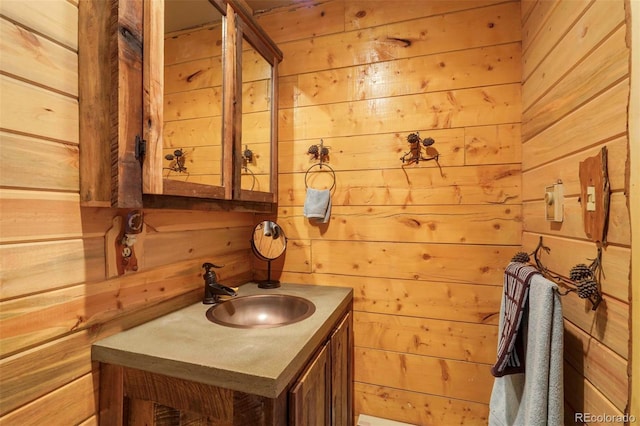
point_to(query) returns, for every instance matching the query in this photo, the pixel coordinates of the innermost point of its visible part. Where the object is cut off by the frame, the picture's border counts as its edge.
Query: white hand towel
(317, 205)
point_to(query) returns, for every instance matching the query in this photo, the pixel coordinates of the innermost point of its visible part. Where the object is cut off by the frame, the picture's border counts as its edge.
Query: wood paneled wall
(54, 297)
(423, 245)
(575, 94)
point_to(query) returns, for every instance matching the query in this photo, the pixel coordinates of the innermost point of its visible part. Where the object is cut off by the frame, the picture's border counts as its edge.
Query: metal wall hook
(416, 145)
(319, 152)
(584, 279)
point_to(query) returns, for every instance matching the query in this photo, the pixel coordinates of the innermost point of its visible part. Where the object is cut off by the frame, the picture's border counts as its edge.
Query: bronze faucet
(212, 288)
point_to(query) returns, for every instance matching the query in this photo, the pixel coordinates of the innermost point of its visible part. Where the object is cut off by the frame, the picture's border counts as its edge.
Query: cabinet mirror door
(183, 78)
(256, 167)
(256, 121)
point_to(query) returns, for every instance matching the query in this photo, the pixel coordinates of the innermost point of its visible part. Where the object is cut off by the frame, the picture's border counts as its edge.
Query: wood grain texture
(453, 263)
(423, 299)
(153, 82)
(380, 151)
(601, 121)
(33, 267)
(410, 186)
(601, 366)
(473, 224)
(482, 66)
(584, 397)
(63, 406)
(565, 168)
(606, 64)
(29, 110)
(455, 108)
(491, 25)
(95, 129)
(417, 408)
(35, 163)
(196, 397)
(593, 26)
(37, 59)
(26, 377)
(363, 14)
(576, 67)
(52, 252)
(56, 20)
(436, 376)
(421, 336)
(56, 313)
(480, 170)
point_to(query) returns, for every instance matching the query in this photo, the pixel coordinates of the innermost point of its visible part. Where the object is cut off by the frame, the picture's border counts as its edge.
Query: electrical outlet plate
(554, 202)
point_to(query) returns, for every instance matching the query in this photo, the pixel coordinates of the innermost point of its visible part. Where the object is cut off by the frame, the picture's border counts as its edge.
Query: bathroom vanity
(183, 368)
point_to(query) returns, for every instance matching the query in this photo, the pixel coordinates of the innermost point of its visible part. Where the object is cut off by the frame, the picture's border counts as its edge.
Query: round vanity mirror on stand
(268, 243)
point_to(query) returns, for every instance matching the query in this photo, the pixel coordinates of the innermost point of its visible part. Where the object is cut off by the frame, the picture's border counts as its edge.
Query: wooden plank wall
(634, 201)
(54, 298)
(423, 246)
(574, 97)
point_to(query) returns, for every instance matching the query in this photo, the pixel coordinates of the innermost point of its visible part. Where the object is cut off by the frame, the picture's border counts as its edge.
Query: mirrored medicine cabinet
(178, 105)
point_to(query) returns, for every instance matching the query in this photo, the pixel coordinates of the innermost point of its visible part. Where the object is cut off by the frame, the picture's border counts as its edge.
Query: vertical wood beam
(111, 395)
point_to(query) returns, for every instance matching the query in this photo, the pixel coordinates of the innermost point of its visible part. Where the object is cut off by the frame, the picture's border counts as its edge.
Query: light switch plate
(591, 198)
(553, 201)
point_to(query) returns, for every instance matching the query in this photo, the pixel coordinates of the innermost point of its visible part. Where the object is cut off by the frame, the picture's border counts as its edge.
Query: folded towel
(511, 343)
(317, 204)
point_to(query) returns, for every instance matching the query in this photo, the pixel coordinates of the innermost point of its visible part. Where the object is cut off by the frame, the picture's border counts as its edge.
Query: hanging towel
(535, 398)
(511, 354)
(317, 205)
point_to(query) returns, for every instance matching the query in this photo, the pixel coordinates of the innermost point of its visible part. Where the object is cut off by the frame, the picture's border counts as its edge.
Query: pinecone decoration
(580, 272)
(587, 288)
(520, 257)
(428, 142)
(313, 150)
(413, 138)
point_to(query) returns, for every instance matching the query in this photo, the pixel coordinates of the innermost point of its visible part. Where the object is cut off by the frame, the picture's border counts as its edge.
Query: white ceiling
(183, 14)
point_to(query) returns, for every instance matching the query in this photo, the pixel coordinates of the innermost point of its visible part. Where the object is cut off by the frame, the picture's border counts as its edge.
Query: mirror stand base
(269, 284)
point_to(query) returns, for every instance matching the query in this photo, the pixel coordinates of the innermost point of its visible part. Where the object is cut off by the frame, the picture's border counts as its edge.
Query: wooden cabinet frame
(121, 86)
(320, 395)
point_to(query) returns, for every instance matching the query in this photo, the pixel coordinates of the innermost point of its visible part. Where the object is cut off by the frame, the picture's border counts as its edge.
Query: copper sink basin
(261, 311)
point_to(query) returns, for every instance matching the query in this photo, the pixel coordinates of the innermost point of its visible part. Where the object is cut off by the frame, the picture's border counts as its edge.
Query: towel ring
(333, 173)
(250, 173)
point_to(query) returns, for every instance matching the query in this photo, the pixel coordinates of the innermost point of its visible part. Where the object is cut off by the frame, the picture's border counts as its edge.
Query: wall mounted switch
(595, 193)
(554, 202)
(591, 198)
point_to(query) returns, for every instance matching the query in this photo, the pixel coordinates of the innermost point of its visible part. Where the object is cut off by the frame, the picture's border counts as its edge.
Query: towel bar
(584, 279)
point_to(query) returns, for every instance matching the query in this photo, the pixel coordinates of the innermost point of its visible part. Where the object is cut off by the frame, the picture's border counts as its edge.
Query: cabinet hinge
(141, 148)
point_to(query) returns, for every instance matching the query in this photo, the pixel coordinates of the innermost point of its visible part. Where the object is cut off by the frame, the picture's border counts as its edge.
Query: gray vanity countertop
(186, 345)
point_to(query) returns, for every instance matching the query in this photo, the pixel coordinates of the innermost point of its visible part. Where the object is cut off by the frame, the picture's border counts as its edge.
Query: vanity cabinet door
(310, 397)
(323, 395)
(342, 373)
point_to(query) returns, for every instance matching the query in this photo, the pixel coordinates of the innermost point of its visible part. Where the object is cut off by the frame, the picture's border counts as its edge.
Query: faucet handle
(207, 266)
